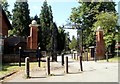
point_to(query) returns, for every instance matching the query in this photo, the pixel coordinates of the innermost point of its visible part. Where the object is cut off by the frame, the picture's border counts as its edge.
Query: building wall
(0, 23)
(3, 26)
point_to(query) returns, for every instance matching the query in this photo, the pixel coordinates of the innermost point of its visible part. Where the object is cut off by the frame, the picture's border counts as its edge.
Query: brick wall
(32, 39)
(100, 45)
(12, 58)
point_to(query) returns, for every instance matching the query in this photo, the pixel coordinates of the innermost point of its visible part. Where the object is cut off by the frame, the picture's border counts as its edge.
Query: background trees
(87, 14)
(109, 29)
(46, 19)
(52, 38)
(73, 44)
(21, 19)
(5, 6)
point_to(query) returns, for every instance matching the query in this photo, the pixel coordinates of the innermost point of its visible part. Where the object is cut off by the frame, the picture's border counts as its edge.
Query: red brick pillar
(100, 44)
(32, 40)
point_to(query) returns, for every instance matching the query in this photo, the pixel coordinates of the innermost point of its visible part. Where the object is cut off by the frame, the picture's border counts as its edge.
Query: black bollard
(66, 65)
(87, 55)
(107, 57)
(77, 56)
(27, 67)
(20, 54)
(38, 53)
(48, 65)
(71, 54)
(81, 67)
(62, 61)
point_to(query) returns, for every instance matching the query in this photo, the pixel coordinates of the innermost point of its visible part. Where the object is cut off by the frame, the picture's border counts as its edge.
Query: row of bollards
(65, 64)
(27, 66)
(74, 56)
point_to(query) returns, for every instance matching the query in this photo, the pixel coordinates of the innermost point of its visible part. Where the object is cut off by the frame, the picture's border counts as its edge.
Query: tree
(73, 44)
(5, 6)
(54, 41)
(67, 41)
(21, 19)
(85, 15)
(46, 20)
(61, 40)
(37, 19)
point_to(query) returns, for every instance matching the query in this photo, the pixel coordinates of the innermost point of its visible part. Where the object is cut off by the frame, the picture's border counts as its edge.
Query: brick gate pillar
(32, 40)
(100, 44)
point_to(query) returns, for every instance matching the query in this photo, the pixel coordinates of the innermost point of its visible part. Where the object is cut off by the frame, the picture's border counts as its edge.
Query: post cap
(34, 22)
(99, 29)
(39, 48)
(20, 48)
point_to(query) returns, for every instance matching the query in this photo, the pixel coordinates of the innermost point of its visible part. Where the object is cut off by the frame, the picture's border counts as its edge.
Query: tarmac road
(92, 72)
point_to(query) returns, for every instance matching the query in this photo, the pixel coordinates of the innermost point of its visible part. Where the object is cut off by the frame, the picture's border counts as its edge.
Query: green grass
(14, 67)
(114, 59)
(10, 67)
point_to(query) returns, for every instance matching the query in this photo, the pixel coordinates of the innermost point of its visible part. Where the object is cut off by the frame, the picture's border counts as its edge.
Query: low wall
(11, 58)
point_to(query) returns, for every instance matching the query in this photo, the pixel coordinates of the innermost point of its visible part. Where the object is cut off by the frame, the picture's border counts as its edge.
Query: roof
(5, 18)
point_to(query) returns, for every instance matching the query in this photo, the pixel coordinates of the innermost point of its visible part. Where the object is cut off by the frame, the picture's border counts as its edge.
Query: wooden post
(48, 65)
(66, 65)
(62, 59)
(27, 67)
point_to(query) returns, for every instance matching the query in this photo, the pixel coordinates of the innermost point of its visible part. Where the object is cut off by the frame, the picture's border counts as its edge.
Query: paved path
(93, 72)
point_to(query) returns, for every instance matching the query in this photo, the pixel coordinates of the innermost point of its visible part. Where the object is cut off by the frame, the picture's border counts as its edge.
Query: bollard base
(27, 77)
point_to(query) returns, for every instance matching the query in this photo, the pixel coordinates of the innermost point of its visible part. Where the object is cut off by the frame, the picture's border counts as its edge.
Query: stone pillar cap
(99, 29)
(33, 23)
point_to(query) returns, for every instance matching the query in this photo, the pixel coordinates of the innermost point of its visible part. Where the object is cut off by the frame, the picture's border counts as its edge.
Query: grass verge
(114, 59)
(8, 68)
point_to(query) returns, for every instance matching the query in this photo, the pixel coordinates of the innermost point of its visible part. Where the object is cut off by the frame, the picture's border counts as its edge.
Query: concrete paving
(92, 72)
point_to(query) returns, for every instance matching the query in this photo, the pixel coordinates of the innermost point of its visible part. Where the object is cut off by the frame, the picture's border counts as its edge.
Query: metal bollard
(81, 67)
(39, 56)
(62, 59)
(71, 55)
(20, 54)
(66, 65)
(77, 56)
(27, 67)
(107, 58)
(87, 56)
(74, 56)
(48, 65)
